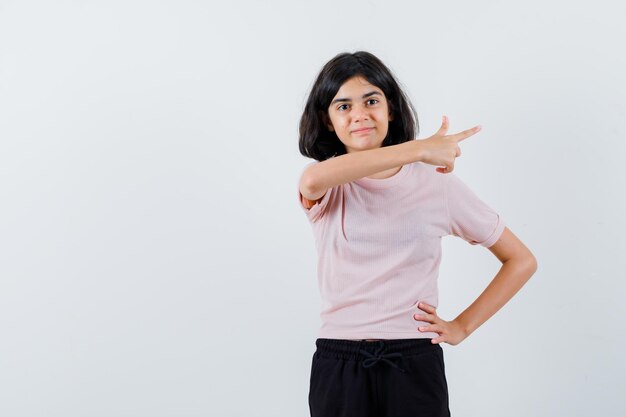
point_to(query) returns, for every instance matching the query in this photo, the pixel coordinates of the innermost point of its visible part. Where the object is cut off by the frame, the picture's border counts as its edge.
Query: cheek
(384, 114)
(340, 122)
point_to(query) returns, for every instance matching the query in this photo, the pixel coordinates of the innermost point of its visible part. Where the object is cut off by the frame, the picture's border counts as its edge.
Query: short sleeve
(469, 217)
(318, 210)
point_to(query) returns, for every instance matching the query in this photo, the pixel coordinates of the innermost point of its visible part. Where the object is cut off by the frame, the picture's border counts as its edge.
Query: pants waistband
(371, 352)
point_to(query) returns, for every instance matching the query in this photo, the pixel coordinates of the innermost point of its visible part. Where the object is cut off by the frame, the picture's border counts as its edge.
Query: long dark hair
(316, 141)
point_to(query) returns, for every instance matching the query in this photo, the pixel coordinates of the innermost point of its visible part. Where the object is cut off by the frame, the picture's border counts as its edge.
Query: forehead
(354, 87)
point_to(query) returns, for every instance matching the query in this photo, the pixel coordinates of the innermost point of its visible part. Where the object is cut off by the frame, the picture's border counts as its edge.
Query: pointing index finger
(467, 133)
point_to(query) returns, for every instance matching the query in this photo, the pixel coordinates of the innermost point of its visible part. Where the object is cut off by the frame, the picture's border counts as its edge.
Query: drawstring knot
(380, 355)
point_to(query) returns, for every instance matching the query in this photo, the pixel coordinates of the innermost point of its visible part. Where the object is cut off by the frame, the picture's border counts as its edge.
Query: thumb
(444, 127)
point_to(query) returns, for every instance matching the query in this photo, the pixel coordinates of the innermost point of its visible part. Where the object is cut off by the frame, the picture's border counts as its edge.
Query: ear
(390, 116)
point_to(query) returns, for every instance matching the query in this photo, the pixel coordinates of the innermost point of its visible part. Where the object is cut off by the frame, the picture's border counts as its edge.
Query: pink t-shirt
(379, 248)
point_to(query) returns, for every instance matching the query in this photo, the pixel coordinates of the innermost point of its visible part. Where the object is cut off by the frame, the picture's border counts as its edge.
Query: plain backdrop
(154, 260)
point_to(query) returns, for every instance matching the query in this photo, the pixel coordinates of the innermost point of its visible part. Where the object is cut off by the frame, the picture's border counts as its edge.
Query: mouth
(364, 130)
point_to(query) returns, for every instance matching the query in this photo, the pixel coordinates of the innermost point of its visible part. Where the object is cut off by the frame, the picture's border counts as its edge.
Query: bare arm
(439, 149)
(351, 166)
(518, 265)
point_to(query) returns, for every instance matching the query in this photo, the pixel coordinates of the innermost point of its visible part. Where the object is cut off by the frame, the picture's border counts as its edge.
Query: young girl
(379, 201)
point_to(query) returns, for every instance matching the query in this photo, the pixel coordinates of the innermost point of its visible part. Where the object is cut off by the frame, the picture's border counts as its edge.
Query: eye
(373, 99)
(339, 108)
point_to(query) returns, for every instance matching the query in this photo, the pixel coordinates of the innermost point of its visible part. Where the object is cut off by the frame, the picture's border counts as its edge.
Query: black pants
(385, 378)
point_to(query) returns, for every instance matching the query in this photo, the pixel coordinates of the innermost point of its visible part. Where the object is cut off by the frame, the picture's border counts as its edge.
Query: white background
(154, 260)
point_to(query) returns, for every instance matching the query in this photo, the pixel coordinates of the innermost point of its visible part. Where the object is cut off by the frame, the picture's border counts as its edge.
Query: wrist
(418, 150)
(463, 326)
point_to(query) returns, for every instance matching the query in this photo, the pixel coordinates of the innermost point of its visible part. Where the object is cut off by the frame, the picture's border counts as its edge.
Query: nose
(359, 113)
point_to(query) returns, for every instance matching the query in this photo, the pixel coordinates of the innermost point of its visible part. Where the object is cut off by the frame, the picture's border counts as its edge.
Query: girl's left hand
(450, 332)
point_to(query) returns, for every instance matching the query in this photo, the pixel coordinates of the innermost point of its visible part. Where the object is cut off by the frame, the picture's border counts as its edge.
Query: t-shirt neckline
(384, 182)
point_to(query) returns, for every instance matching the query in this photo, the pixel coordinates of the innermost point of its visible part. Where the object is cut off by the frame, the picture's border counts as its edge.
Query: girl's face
(359, 115)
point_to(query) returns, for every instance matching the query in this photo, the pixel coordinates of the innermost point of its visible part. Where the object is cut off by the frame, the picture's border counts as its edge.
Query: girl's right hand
(441, 149)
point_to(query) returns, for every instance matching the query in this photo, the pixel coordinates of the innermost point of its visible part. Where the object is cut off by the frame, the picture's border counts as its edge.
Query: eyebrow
(371, 93)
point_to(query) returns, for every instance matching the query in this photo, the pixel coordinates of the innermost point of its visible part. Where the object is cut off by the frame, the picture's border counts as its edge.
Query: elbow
(309, 183)
(307, 186)
(535, 265)
(531, 265)
(527, 263)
